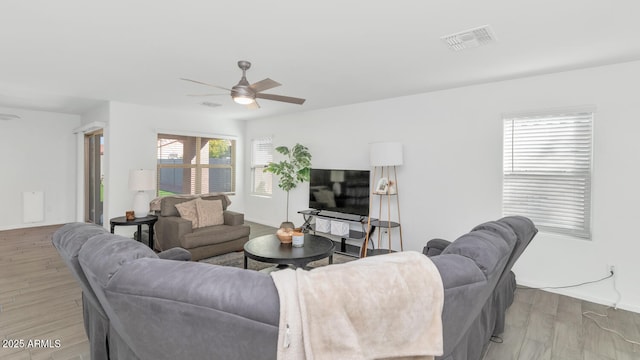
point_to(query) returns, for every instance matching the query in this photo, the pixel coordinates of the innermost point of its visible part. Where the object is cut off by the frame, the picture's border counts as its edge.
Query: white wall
(131, 141)
(38, 154)
(451, 178)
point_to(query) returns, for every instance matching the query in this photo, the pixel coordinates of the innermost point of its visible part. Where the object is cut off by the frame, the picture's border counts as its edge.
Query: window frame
(575, 174)
(255, 165)
(197, 167)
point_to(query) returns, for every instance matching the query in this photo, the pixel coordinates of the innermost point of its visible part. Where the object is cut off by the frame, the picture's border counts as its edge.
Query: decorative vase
(287, 225)
(285, 235)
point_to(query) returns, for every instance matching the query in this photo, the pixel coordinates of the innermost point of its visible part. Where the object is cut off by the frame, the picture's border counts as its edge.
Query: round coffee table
(268, 248)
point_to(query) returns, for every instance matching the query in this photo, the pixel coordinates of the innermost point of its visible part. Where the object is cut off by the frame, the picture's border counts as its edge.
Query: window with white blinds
(547, 170)
(261, 156)
(195, 164)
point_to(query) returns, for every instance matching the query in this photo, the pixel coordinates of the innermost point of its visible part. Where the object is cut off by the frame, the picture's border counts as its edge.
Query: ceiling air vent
(471, 38)
(209, 104)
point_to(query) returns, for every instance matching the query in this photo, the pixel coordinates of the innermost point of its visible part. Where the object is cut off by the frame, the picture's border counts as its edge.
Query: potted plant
(295, 169)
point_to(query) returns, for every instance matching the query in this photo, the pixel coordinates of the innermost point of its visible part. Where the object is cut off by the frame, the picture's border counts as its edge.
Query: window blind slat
(262, 152)
(547, 171)
(261, 156)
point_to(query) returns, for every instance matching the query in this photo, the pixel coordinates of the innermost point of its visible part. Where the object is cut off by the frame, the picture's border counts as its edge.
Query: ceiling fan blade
(253, 106)
(263, 85)
(282, 98)
(207, 94)
(202, 83)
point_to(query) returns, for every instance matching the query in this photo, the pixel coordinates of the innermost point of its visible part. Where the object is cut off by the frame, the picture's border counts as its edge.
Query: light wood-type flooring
(40, 300)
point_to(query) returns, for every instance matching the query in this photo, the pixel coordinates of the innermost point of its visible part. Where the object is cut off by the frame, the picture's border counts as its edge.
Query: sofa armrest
(176, 253)
(169, 231)
(233, 218)
(435, 247)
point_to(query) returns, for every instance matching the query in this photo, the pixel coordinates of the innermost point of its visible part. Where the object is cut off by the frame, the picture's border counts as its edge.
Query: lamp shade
(385, 153)
(141, 180)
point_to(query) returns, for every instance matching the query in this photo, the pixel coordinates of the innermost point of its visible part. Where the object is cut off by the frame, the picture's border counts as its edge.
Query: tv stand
(339, 216)
(344, 248)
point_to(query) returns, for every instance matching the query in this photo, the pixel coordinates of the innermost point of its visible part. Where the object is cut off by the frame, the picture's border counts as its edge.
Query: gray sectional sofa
(165, 309)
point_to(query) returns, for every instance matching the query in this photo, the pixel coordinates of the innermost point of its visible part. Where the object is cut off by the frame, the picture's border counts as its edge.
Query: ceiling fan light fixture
(244, 93)
(243, 100)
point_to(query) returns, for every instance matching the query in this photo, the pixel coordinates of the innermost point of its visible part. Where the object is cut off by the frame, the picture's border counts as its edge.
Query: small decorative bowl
(285, 235)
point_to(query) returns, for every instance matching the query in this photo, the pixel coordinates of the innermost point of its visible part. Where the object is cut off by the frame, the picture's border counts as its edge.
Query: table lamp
(141, 180)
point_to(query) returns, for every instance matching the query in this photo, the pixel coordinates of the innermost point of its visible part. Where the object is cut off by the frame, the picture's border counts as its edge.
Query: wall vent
(471, 38)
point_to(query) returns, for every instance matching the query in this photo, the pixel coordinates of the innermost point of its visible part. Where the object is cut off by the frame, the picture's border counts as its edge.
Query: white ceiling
(68, 55)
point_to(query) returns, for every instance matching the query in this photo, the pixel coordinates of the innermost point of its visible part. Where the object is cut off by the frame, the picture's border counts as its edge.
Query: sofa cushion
(103, 255)
(68, 240)
(209, 212)
(188, 211)
(214, 235)
(502, 230)
(523, 227)
(168, 204)
(189, 310)
(223, 198)
(484, 247)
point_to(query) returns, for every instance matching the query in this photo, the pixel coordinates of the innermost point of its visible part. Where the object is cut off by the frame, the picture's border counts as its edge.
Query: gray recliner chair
(470, 341)
(103, 341)
(203, 242)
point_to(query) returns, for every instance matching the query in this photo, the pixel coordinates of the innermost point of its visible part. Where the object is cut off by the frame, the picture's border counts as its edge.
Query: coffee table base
(278, 267)
(270, 269)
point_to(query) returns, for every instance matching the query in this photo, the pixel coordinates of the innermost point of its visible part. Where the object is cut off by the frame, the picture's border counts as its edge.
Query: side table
(149, 220)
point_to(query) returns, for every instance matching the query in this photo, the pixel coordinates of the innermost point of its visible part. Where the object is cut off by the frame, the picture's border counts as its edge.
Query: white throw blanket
(379, 307)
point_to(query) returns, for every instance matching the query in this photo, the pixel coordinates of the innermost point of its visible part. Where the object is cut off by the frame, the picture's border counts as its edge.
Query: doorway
(93, 177)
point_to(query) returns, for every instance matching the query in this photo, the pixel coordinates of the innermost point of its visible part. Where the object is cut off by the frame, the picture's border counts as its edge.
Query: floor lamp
(141, 180)
(384, 157)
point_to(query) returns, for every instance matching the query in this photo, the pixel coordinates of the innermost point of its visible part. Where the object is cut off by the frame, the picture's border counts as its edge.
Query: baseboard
(29, 225)
(261, 222)
(606, 301)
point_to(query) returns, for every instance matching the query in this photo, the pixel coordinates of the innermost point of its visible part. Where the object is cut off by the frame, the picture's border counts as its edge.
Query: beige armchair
(172, 230)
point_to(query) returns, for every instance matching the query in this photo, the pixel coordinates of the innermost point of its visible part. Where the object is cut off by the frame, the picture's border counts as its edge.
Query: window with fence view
(195, 165)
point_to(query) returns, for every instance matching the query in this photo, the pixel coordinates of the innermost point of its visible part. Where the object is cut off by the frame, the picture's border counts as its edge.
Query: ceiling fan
(246, 94)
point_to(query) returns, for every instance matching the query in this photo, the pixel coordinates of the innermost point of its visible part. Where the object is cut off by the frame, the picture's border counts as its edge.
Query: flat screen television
(341, 191)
